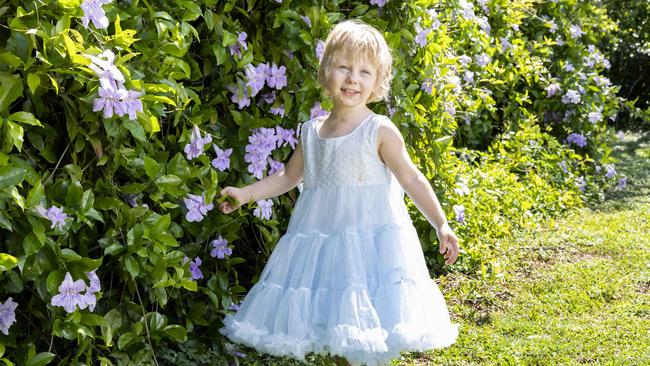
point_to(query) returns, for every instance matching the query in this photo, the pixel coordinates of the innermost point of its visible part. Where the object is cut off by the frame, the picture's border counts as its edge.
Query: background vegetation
(108, 174)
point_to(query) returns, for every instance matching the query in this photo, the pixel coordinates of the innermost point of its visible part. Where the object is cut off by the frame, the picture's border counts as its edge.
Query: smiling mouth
(349, 91)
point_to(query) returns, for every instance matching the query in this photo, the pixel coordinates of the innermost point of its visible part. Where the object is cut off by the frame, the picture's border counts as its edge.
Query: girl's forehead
(354, 57)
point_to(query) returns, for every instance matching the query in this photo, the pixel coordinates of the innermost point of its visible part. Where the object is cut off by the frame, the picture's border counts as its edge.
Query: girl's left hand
(448, 243)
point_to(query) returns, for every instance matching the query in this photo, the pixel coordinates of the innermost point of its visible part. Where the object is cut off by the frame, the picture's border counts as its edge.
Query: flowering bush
(122, 120)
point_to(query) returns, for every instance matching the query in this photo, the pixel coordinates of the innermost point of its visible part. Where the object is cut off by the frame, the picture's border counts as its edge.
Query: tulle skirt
(349, 279)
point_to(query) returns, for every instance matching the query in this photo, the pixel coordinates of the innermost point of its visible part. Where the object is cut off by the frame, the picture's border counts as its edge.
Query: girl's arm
(393, 152)
(280, 182)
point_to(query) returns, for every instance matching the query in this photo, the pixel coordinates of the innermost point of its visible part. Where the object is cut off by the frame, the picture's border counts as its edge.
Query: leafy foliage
(122, 181)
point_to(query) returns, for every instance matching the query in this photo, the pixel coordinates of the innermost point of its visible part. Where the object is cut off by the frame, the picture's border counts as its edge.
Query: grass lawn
(577, 288)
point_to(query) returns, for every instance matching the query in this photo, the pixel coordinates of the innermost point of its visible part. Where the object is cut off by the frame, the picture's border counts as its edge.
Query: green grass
(576, 290)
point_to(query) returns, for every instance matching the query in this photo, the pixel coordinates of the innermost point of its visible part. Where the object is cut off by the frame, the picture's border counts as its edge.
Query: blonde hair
(359, 39)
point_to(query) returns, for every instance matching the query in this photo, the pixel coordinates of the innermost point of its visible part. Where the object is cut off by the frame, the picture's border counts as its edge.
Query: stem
(57, 163)
(146, 326)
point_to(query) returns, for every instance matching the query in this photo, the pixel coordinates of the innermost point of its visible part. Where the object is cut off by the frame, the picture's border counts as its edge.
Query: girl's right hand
(238, 196)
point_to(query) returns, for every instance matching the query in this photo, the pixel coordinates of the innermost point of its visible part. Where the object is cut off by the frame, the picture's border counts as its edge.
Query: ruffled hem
(373, 347)
(365, 295)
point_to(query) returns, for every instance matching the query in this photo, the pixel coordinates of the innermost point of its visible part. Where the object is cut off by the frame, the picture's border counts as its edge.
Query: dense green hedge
(108, 176)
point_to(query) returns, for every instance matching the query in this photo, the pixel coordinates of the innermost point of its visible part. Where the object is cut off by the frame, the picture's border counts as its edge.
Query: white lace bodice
(348, 160)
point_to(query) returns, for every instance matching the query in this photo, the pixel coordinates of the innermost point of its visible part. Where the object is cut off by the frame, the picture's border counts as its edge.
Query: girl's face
(352, 80)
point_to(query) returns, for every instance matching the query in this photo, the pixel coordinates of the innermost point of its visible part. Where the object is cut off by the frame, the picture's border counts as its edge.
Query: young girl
(349, 277)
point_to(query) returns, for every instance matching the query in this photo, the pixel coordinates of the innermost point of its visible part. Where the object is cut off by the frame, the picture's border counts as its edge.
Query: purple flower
(577, 139)
(110, 101)
(595, 117)
(459, 211)
(391, 111)
(468, 76)
(7, 315)
(568, 67)
(464, 60)
(239, 96)
(235, 49)
(462, 188)
(195, 270)
(379, 3)
(306, 19)
(455, 80)
(278, 111)
(562, 165)
(620, 134)
(450, 108)
(285, 136)
(421, 37)
(269, 97)
(552, 27)
(69, 296)
(233, 306)
(317, 111)
(571, 97)
(610, 171)
(257, 168)
(275, 166)
(467, 9)
(581, 183)
(484, 24)
(196, 207)
(427, 85)
(194, 148)
(54, 214)
(320, 48)
(256, 77)
(575, 31)
(622, 182)
(132, 103)
(94, 12)
(220, 248)
(482, 60)
(222, 161)
(95, 286)
(276, 77)
(264, 209)
(559, 40)
(109, 75)
(553, 89)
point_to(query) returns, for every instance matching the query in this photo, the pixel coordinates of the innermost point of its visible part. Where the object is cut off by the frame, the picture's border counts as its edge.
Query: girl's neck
(346, 116)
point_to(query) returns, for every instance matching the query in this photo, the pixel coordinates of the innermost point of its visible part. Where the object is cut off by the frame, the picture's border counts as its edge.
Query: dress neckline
(363, 121)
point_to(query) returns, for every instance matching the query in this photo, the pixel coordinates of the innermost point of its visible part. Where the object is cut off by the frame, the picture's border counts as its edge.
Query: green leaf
(31, 244)
(14, 134)
(11, 176)
(11, 88)
(7, 262)
(175, 332)
(4, 221)
(25, 118)
(151, 167)
(87, 201)
(41, 359)
(156, 321)
(37, 228)
(36, 194)
(132, 266)
(74, 193)
(189, 284)
(33, 81)
(136, 129)
(126, 339)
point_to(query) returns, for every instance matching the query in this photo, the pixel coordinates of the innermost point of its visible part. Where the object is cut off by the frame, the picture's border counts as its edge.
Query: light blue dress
(348, 278)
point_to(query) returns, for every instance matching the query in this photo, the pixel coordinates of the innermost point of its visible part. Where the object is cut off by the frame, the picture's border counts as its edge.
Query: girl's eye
(366, 72)
(344, 67)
